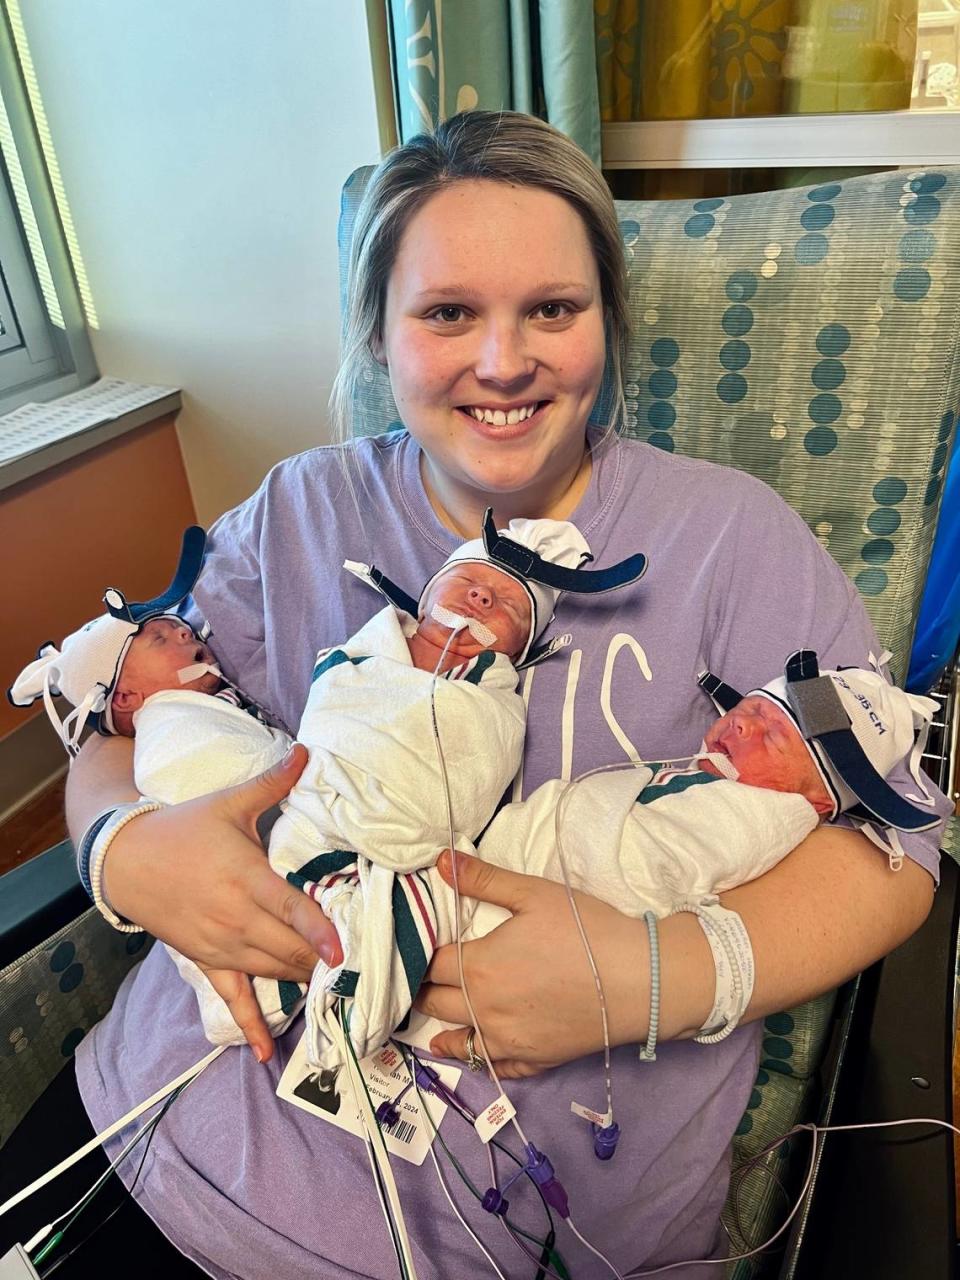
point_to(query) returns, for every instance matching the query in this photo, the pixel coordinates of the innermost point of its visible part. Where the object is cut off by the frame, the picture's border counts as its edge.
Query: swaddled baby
(657, 839)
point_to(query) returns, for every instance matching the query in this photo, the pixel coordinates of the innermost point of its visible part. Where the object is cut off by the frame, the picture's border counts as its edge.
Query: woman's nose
(502, 357)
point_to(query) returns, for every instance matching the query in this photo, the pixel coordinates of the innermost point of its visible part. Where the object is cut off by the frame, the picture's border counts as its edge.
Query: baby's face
(158, 652)
(477, 590)
(766, 748)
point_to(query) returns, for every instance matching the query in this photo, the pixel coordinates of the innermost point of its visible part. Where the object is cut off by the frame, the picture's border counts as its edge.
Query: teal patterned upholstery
(49, 999)
(808, 336)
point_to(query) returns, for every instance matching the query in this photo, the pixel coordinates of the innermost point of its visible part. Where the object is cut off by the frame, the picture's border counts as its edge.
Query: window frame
(58, 357)
(874, 139)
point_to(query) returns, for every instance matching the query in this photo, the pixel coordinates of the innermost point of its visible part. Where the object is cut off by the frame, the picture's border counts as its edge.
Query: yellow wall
(112, 517)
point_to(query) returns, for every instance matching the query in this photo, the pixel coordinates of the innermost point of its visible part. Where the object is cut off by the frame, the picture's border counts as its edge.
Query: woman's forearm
(100, 776)
(831, 908)
(828, 910)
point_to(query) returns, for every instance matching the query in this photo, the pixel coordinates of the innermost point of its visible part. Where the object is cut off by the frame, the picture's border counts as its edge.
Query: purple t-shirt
(250, 1186)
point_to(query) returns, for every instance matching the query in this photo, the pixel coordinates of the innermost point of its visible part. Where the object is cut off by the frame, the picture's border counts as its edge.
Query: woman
(487, 276)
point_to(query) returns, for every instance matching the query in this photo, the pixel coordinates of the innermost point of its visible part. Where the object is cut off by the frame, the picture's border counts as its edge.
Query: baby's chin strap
(923, 710)
(71, 727)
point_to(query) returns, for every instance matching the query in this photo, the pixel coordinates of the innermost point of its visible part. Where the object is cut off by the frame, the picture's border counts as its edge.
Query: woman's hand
(195, 875)
(530, 980)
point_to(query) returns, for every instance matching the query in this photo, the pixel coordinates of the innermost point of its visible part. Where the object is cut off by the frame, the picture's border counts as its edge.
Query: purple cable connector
(605, 1141)
(424, 1075)
(541, 1171)
(387, 1114)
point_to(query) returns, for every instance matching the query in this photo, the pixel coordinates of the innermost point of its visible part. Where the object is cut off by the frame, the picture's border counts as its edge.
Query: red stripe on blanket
(428, 924)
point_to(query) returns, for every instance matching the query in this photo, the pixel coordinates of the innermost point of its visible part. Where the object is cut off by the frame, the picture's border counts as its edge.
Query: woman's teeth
(503, 417)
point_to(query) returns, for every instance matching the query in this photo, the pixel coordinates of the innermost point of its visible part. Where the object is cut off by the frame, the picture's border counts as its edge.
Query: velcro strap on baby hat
(526, 563)
(187, 572)
(372, 576)
(724, 696)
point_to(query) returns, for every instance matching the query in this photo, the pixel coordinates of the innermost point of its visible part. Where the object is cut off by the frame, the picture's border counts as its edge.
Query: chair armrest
(37, 899)
(884, 1204)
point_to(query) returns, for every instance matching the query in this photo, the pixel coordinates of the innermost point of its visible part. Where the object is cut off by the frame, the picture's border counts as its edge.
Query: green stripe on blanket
(333, 659)
(481, 663)
(682, 782)
(346, 983)
(289, 993)
(408, 939)
(324, 864)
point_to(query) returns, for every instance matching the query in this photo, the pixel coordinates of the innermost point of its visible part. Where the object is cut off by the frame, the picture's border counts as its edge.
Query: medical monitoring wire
(487, 1057)
(547, 1245)
(150, 1129)
(382, 1176)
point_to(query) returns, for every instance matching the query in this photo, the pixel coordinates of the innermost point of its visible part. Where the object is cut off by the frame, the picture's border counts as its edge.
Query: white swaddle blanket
(190, 744)
(374, 790)
(642, 845)
(369, 808)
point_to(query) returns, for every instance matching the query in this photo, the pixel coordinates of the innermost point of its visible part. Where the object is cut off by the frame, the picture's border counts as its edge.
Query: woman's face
(494, 340)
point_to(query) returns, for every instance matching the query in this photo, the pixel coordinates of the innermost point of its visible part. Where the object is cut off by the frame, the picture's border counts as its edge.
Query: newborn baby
(658, 838)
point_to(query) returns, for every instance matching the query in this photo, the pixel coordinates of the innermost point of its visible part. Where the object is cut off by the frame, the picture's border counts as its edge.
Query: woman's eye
(553, 310)
(449, 315)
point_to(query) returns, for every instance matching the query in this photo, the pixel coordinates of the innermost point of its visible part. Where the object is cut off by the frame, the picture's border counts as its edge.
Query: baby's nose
(479, 595)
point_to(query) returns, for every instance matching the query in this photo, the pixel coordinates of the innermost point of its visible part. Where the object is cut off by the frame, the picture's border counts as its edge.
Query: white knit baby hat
(86, 666)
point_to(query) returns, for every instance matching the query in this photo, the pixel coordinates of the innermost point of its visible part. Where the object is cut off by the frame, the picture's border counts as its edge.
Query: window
(44, 348)
(763, 84)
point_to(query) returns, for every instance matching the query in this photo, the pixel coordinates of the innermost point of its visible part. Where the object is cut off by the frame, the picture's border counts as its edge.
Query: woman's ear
(377, 349)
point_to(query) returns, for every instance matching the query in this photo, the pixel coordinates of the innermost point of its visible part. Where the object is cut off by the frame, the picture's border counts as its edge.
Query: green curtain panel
(521, 55)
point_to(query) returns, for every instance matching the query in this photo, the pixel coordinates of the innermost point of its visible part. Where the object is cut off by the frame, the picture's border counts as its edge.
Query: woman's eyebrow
(542, 289)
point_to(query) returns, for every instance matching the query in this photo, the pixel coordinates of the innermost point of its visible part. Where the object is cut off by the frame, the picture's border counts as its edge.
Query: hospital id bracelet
(112, 824)
(732, 954)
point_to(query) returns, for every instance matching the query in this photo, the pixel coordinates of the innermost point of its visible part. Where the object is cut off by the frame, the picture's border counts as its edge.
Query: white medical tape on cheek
(456, 622)
(723, 764)
(198, 669)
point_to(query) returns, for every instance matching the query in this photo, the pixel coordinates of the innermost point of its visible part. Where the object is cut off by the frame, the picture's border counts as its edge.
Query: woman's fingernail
(288, 758)
(329, 953)
(443, 862)
(259, 1054)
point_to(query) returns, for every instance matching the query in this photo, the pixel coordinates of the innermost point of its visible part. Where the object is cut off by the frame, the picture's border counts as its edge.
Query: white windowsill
(36, 437)
(874, 139)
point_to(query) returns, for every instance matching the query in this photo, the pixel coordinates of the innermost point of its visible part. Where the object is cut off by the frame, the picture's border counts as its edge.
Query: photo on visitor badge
(327, 1094)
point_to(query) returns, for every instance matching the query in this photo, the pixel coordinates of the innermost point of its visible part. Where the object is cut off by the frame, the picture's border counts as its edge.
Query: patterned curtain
(523, 55)
(721, 58)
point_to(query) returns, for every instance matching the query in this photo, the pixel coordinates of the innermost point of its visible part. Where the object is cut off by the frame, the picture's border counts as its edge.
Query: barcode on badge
(402, 1130)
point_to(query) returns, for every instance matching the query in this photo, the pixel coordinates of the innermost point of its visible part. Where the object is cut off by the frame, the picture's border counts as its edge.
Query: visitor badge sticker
(327, 1093)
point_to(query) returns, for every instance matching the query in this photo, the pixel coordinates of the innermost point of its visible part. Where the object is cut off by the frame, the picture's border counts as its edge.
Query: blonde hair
(507, 147)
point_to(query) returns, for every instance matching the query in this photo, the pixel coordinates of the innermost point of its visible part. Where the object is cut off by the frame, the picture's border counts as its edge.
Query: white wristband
(733, 962)
(121, 816)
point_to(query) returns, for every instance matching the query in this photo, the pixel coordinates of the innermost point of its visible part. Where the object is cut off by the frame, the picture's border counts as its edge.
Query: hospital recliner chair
(811, 337)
